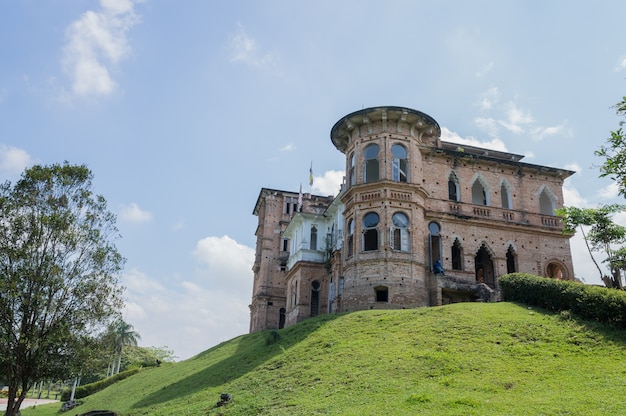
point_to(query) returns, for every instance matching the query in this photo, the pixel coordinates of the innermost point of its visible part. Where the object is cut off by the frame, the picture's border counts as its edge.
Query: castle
(418, 222)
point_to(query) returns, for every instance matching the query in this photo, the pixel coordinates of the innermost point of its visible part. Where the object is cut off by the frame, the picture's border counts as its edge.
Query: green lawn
(461, 359)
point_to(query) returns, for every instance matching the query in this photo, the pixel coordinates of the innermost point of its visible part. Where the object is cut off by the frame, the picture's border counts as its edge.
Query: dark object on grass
(225, 398)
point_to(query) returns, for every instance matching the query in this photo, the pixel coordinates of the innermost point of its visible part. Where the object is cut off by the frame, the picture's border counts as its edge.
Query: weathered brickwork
(409, 200)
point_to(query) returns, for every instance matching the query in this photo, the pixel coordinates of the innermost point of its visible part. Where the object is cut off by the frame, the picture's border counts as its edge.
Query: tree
(602, 236)
(59, 275)
(124, 336)
(615, 153)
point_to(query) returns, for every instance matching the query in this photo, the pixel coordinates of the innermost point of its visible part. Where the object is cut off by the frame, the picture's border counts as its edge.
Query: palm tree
(124, 336)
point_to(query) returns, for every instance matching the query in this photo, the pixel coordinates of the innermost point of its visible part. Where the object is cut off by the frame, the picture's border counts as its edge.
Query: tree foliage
(602, 236)
(59, 274)
(614, 153)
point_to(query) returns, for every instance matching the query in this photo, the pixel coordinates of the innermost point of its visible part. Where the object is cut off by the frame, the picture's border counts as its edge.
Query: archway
(483, 264)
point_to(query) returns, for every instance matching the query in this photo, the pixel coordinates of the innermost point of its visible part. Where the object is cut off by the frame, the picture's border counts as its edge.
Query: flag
(311, 175)
(300, 199)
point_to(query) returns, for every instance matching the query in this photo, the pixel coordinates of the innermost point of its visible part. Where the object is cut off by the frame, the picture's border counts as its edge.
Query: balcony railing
(500, 214)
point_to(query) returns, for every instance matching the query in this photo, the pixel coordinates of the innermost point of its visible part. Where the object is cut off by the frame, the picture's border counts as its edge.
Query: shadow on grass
(252, 351)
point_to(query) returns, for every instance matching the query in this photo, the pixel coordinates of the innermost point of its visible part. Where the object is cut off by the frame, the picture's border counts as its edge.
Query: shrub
(589, 302)
(87, 389)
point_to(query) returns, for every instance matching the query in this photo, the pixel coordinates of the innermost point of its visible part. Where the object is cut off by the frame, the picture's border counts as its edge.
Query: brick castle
(418, 222)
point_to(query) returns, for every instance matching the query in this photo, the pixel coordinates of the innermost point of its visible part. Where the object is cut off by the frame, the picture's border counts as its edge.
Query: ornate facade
(410, 203)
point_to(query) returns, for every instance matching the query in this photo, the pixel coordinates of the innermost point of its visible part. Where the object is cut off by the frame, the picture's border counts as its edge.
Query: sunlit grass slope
(461, 359)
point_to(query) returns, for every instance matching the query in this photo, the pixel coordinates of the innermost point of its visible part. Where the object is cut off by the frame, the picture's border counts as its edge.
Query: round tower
(386, 253)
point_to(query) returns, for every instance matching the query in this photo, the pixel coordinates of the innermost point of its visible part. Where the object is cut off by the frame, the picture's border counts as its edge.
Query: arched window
(555, 271)
(315, 298)
(457, 255)
(399, 232)
(546, 202)
(313, 244)
(434, 243)
(350, 238)
(370, 231)
(511, 260)
(399, 164)
(281, 318)
(483, 264)
(453, 188)
(370, 168)
(351, 177)
(480, 196)
(505, 195)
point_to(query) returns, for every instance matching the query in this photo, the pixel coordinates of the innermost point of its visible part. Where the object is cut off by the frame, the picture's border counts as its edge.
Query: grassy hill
(461, 359)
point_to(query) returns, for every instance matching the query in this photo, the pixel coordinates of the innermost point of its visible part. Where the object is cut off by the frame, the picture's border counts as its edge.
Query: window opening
(399, 164)
(287, 205)
(453, 188)
(434, 243)
(370, 231)
(351, 172)
(506, 196)
(484, 267)
(350, 238)
(479, 194)
(371, 169)
(546, 205)
(382, 294)
(510, 260)
(555, 271)
(281, 318)
(315, 298)
(313, 244)
(457, 255)
(400, 232)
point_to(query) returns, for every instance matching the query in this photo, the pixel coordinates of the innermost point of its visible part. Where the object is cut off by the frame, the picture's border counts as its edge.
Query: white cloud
(225, 257)
(133, 213)
(245, 49)
(516, 119)
(13, 161)
(571, 196)
(94, 41)
(489, 98)
(621, 65)
(494, 144)
(192, 315)
(329, 183)
(288, 148)
(611, 191)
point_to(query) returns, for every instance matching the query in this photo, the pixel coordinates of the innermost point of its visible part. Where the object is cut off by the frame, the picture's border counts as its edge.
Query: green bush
(589, 302)
(87, 389)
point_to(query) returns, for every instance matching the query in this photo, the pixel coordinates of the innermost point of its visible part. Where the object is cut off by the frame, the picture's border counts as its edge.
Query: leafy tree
(59, 275)
(615, 153)
(602, 236)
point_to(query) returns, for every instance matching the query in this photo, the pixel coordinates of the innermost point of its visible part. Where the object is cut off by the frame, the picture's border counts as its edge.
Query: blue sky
(184, 110)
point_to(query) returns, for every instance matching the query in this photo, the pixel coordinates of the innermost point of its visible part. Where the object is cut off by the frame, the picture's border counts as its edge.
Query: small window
(351, 177)
(315, 298)
(287, 205)
(285, 244)
(479, 194)
(281, 318)
(350, 238)
(434, 243)
(313, 244)
(382, 294)
(457, 255)
(371, 169)
(506, 196)
(453, 188)
(510, 260)
(546, 203)
(399, 164)
(370, 231)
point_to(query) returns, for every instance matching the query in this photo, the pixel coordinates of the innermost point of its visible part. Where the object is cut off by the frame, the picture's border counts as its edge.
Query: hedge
(588, 302)
(88, 389)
